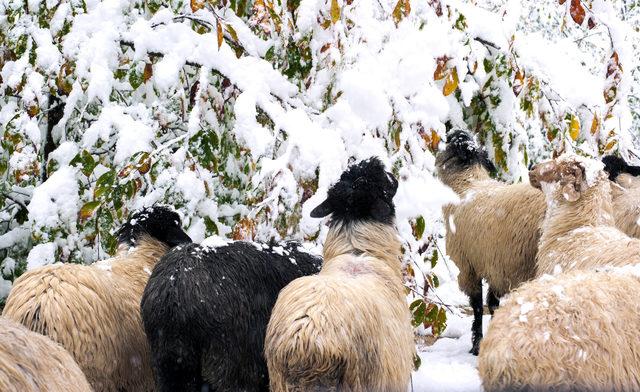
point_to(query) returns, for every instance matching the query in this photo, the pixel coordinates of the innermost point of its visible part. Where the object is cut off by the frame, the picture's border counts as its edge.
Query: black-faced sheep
(625, 191)
(205, 311)
(493, 232)
(94, 311)
(348, 328)
(30, 362)
(578, 230)
(575, 331)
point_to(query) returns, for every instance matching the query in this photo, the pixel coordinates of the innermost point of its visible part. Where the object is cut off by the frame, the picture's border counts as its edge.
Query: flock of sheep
(170, 315)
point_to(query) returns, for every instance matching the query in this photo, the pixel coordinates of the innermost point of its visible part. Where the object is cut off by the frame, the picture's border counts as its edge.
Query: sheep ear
(321, 210)
(570, 193)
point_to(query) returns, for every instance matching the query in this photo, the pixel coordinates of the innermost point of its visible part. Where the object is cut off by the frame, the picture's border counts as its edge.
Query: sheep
(347, 328)
(30, 362)
(575, 331)
(508, 219)
(493, 232)
(205, 311)
(94, 311)
(625, 190)
(579, 231)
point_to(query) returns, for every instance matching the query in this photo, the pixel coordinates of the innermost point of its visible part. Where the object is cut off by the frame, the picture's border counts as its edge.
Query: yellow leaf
(232, 32)
(397, 11)
(219, 31)
(610, 145)
(574, 128)
(595, 125)
(335, 11)
(451, 83)
(435, 140)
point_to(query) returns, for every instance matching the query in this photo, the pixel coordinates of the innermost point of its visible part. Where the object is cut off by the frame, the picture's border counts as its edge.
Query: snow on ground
(447, 365)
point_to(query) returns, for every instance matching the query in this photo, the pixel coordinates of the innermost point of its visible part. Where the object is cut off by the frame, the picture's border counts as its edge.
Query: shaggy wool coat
(348, 328)
(93, 312)
(205, 311)
(30, 362)
(576, 331)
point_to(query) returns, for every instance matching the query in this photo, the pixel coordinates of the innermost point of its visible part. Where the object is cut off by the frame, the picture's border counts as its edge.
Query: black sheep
(205, 311)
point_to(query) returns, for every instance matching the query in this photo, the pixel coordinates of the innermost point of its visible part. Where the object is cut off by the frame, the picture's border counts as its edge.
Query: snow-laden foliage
(242, 113)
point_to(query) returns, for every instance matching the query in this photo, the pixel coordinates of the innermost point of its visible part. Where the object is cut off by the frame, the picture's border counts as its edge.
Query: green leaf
(434, 258)
(417, 361)
(104, 183)
(418, 313)
(420, 225)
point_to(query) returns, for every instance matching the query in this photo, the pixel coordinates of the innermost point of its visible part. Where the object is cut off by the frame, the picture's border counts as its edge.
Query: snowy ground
(447, 365)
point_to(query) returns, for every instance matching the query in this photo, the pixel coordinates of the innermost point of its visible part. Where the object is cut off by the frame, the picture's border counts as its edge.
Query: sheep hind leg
(475, 300)
(493, 300)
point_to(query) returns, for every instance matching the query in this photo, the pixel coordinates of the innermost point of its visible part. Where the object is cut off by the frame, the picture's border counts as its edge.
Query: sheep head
(364, 192)
(568, 173)
(159, 222)
(462, 152)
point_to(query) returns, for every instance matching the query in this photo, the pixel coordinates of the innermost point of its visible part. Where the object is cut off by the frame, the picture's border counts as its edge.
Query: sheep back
(571, 332)
(30, 362)
(345, 329)
(205, 311)
(94, 315)
(493, 234)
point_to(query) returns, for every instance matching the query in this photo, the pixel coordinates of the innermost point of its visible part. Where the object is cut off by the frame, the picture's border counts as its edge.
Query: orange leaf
(577, 11)
(435, 140)
(561, 1)
(439, 73)
(451, 83)
(219, 34)
(148, 72)
(197, 5)
(407, 7)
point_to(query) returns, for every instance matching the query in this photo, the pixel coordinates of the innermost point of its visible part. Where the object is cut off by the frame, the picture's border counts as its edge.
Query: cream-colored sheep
(348, 328)
(579, 230)
(576, 331)
(493, 232)
(30, 362)
(94, 311)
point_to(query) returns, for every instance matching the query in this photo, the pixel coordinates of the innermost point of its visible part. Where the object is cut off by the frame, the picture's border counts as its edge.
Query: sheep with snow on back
(94, 311)
(578, 230)
(205, 311)
(30, 362)
(625, 191)
(493, 232)
(576, 331)
(348, 328)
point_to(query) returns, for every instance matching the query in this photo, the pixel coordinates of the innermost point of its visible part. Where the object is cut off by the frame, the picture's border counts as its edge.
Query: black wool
(615, 166)
(462, 152)
(159, 222)
(364, 192)
(205, 312)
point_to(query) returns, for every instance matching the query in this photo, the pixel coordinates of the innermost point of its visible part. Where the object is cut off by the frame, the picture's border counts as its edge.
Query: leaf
(148, 72)
(577, 11)
(418, 313)
(419, 228)
(88, 209)
(104, 183)
(595, 125)
(397, 11)
(434, 258)
(335, 11)
(197, 5)
(435, 140)
(33, 110)
(610, 145)
(561, 1)
(144, 163)
(232, 32)
(440, 73)
(88, 163)
(574, 128)
(219, 34)
(451, 83)
(417, 361)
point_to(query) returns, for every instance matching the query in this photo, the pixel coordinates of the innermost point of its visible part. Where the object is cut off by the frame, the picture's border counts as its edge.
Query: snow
(41, 254)
(55, 200)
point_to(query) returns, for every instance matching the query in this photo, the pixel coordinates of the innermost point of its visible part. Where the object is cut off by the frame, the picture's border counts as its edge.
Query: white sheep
(30, 362)
(94, 311)
(348, 328)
